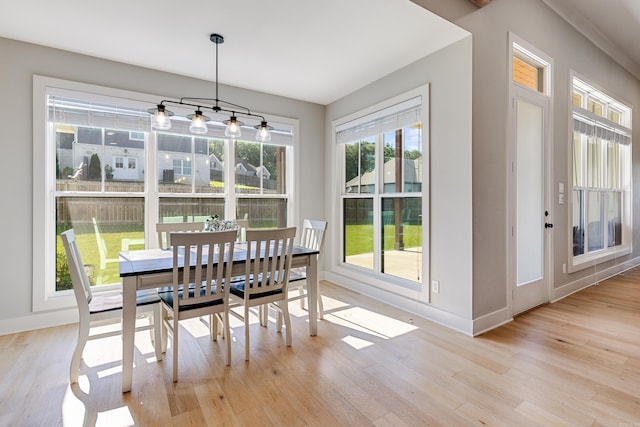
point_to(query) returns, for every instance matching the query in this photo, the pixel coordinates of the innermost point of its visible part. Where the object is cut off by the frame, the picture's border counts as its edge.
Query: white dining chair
(98, 310)
(312, 237)
(201, 289)
(164, 229)
(268, 262)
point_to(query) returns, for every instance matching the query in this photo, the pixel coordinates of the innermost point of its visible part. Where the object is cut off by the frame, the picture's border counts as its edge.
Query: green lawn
(91, 257)
(359, 238)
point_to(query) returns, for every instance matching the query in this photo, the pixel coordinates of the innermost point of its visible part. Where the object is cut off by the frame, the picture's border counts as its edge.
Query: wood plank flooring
(572, 363)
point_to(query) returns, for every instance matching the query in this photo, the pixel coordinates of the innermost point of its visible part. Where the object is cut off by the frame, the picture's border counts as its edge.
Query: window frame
(419, 291)
(45, 296)
(591, 92)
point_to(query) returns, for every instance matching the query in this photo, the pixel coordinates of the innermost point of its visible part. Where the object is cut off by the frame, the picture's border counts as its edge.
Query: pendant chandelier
(161, 119)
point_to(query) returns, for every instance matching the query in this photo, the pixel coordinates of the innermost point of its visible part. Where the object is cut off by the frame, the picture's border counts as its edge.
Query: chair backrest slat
(196, 256)
(271, 269)
(165, 228)
(79, 278)
(313, 234)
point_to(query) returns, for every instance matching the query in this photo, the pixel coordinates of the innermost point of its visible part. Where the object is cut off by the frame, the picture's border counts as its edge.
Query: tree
(95, 171)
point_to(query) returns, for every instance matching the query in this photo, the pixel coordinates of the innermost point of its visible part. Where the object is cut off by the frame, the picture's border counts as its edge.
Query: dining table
(153, 268)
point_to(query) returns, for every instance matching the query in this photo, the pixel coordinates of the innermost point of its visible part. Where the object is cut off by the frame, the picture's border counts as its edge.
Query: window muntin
(601, 152)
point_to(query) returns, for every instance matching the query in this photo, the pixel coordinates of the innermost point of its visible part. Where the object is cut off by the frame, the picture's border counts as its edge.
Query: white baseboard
(491, 321)
(38, 320)
(597, 276)
(419, 308)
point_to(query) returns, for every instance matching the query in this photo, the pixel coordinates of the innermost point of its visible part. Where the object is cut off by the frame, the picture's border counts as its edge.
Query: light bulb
(198, 123)
(233, 128)
(263, 134)
(161, 118)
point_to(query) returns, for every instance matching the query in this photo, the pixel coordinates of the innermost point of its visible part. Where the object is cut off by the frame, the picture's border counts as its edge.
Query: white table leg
(128, 329)
(312, 289)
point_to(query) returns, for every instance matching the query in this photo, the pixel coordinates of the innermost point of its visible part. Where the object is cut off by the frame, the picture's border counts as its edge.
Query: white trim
(420, 308)
(585, 261)
(377, 282)
(39, 321)
(545, 98)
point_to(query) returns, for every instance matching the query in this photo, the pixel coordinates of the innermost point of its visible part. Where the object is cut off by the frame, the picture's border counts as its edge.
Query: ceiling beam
(480, 3)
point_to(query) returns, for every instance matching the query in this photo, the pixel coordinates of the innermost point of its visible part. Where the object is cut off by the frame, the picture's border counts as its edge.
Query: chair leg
(213, 327)
(83, 336)
(301, 293)
(320, 305)
(246, 332)
(165, 318)
(227, 335)
(157, 330)
(175, 348)
(284, 306)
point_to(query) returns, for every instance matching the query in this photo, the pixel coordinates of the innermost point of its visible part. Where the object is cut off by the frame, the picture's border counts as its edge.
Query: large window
(601, 217)
(111, 178)
(381, 195)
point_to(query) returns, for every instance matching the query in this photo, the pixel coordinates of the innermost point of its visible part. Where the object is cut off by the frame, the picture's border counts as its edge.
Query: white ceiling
(313, 51)
(309, 50)
(612, 25)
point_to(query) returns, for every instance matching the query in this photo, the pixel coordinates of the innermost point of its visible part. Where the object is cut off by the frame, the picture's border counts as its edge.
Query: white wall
(20, 61)
(448, 73)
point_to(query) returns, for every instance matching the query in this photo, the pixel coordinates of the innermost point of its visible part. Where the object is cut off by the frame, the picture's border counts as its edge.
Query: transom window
(601, 198)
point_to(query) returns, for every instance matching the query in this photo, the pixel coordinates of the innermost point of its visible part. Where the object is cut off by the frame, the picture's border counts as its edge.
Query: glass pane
(402, 160)
(84, 156)
(175, 158)
(578, 222)
(401, 226)
(615, 116)
(595, 107)
(614, 207)
(260, 168)
(613, 165)
(184, 209)
(577, 99)
(595, 218)
(360, 165)
(208, 174)
(358, 232)
(578, 175)
(103, 227)
(262, 213)
(216, 167)
(530, 180)
(594, 162)
(124, 161)
(527, 74)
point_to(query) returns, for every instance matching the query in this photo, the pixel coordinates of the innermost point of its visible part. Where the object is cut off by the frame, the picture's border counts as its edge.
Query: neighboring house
(412, 178)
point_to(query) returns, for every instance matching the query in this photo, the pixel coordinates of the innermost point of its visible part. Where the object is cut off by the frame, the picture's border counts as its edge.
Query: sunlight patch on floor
(356, 343)
(118, 417)
(73, 410)
(370, 322)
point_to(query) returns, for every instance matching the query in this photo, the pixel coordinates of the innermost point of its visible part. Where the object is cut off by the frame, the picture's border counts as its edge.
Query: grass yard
(91, 257)
(359, 238)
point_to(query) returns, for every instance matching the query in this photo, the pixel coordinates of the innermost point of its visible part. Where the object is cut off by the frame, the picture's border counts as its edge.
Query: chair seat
(237, 289)
(167, 298)
(104, 303)
(297, 274)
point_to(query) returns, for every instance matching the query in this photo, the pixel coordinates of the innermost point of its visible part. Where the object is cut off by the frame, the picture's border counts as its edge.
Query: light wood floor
(572, 363)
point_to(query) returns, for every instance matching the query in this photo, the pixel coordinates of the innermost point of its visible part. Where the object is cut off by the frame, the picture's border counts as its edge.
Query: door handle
(547, 225)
